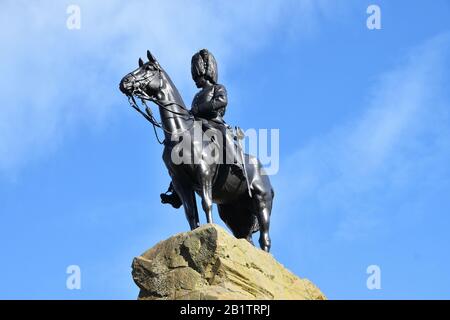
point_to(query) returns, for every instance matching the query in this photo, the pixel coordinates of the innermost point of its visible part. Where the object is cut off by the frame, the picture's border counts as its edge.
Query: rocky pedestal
(209, 263)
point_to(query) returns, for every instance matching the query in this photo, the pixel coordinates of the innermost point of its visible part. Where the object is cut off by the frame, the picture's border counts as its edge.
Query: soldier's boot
(171, 197)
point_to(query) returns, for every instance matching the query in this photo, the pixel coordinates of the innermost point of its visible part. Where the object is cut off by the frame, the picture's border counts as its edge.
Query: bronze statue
(240, 189)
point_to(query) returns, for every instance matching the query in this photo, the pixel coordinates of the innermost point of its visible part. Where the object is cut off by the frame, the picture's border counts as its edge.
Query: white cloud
(54, 80)
(370, 168)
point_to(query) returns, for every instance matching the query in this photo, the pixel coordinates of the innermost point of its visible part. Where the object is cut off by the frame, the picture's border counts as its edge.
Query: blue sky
(364, 138)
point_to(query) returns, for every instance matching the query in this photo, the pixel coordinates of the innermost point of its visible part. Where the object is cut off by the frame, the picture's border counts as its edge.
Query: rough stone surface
(209, 263)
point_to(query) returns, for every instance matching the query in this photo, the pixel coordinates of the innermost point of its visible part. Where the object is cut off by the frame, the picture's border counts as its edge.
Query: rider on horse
(209, 105)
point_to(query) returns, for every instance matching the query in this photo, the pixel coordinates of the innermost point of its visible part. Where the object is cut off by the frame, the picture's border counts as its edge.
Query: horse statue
(244, 201)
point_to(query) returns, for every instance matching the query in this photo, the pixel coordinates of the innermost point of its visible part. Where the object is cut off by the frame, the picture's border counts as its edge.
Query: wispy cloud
(366, 171)
(55, 80)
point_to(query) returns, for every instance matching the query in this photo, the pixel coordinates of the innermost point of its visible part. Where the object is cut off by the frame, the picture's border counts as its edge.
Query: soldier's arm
(220, 99)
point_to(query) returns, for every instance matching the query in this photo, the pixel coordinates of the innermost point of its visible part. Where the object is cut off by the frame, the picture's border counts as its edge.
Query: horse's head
(145, 82)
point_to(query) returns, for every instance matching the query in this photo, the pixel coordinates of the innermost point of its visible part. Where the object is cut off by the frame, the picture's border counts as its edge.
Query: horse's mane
(175, 92)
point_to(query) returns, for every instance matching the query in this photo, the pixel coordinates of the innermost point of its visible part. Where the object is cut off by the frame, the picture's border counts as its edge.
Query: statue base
(209, 264)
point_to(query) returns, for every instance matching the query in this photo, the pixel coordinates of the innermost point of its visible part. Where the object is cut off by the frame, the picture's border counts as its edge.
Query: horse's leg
(263, 207)
(263, 196)
(205, 175)
(190, 207)
(264, 222)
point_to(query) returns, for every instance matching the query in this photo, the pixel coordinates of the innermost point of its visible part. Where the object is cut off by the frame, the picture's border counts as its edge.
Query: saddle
(229, 146)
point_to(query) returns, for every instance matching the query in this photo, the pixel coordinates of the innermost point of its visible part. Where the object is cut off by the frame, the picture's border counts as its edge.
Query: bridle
(148, 115)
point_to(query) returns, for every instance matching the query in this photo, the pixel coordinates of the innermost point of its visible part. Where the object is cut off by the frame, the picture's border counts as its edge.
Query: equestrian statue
(214, 165)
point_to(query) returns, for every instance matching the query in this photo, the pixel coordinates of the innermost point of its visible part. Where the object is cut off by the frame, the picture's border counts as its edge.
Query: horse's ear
(150, 57)
(141, 63)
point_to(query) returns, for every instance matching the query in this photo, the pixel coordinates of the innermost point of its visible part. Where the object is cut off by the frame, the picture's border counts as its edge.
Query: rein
(150, 118)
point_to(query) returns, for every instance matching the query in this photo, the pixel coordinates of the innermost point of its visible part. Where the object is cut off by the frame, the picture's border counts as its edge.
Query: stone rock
(208, 263)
